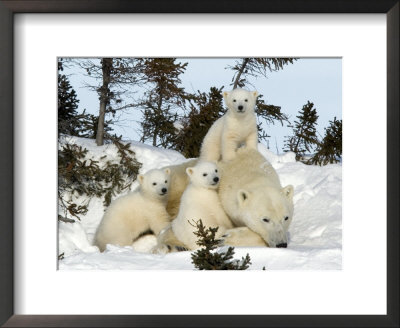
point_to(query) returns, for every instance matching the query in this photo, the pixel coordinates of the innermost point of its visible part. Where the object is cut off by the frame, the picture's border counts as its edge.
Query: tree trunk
(159, 109)
(106, 65)
(239, 74)
(155, 138)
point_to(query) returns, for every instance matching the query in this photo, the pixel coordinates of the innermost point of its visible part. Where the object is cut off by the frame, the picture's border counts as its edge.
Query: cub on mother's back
(237, 126)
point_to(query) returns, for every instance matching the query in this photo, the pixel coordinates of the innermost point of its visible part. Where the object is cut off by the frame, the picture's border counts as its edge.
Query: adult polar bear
(252, 196)
(237, 126)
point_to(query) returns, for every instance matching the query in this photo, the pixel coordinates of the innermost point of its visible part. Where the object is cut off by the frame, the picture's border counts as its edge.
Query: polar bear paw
(241, 236)
(164, 249)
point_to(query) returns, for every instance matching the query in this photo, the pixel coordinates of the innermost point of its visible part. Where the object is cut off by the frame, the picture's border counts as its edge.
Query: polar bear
(143, 210)
(178, 182)
(200, 201)
(237, 126)
(252, 196)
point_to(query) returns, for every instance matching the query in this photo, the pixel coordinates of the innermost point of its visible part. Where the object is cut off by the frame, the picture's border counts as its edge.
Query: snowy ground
(315, 240)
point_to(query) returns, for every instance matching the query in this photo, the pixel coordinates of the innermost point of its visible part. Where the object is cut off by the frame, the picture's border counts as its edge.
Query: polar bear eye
(204, 174)
(245, 100)
(234, 100)
(154, 183)
(286, 218)
(266, 220)
(216, 171)
(166, 181)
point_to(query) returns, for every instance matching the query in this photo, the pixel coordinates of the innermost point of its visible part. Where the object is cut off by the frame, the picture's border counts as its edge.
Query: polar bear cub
(131, 215)
(237, 126)
(200, 201)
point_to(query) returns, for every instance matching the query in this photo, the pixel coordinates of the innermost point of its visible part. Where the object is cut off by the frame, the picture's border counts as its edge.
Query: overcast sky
(318, 80)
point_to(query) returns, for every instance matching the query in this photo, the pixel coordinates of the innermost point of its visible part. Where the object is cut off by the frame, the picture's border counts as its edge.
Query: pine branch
(240, 72)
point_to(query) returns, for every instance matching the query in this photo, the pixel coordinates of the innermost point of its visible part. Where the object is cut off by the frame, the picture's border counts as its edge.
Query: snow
(315, 235)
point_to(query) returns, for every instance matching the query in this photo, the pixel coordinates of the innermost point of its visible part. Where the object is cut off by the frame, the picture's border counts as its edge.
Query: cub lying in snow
(131, 215)
(237, 126)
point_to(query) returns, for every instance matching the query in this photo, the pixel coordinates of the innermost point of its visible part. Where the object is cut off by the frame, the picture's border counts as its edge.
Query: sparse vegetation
(209, 258)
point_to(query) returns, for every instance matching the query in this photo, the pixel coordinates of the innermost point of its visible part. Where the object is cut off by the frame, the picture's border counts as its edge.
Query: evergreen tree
(68, 120)
(162, 100)
(89, 124)
(254, 67)
(77, 173)
(105, 97)
(330, 149)
(208, 258)
(205, 109)
(245, 67)
(114, 78)
(304, 137)
(269, 114)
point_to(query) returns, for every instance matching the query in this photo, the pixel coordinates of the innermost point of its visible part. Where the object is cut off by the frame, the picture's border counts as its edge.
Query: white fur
(251, 194)
(200, 201)
(237, 126)
(179, 181)
(131, 215)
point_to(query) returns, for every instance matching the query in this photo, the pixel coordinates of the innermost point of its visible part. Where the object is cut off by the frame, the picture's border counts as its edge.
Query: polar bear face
(155, 183)
(204, 175)
(268, 213)
(240, 101)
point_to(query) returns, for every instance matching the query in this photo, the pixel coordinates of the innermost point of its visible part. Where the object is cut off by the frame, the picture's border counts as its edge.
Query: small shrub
(78, 174)
(208, 258)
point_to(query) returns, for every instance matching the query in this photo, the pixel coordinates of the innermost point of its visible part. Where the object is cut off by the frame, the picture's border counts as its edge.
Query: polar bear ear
(242, 197)
(189, 171)
(255, 94)
(288, 191)
(225, 94)
(141, 178)
(167, 171)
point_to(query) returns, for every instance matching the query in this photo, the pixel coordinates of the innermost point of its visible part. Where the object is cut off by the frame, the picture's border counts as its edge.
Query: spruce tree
(79, 173)
(245, 67)
(205, 109)
(269, 114)
(114, 80)
(304, 138)
(162, 100)
(68, 121)
(254, 67)
(208, 258)
(89, 124)
(330, 149)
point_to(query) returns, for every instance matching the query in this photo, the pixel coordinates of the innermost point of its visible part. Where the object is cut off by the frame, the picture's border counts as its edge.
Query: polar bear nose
(283, 245)
(164, 190)
(216, 179)
(240, 107)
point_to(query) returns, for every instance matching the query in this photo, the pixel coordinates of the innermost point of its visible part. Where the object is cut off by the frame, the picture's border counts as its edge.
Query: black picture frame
(10, 7)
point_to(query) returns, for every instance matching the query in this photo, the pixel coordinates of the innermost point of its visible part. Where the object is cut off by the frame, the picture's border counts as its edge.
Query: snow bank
(315, 235)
